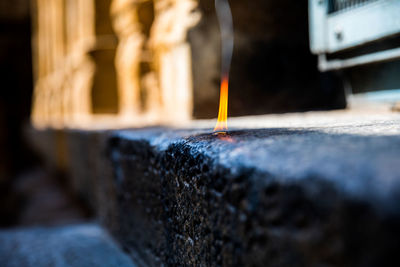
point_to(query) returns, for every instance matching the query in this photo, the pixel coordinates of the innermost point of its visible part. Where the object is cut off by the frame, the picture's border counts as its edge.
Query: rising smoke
(226, 25)
(224, 15)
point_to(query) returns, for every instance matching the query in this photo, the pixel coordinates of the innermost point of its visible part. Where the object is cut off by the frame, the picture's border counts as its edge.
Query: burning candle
(226, 26)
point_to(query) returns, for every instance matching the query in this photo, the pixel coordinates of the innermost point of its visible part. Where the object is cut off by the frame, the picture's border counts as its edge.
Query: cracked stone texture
(312, 195)
(78, 245)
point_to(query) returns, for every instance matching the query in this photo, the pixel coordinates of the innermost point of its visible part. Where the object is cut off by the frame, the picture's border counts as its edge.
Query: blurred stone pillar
(131, 39)
(172, 56)
(80, 68)
(61, 37)
(74, 50)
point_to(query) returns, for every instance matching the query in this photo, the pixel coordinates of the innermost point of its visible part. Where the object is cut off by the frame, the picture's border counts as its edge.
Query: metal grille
(340, 5)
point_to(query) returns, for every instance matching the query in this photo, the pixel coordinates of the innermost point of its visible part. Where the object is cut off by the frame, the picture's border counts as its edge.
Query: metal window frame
(338, 31)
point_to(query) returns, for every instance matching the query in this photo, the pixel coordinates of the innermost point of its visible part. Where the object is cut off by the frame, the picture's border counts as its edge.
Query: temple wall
(130, 63)
(120, 62)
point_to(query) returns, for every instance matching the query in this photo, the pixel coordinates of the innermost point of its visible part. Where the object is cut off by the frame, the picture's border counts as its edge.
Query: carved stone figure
(131, 39)
(172, 57)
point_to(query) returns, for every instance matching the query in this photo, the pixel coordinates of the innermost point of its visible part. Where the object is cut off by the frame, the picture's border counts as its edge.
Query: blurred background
(15, 101)
(104, 64)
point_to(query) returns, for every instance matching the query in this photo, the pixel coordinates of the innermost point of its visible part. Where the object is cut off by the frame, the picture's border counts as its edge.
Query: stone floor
(53, 228)
(80, 245)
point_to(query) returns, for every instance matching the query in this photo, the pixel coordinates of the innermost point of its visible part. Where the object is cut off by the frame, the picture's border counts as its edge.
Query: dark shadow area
(15, 103)
(273, 70)
(29, 195)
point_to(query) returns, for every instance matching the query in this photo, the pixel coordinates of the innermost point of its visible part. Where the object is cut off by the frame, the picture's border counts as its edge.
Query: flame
(222, 124)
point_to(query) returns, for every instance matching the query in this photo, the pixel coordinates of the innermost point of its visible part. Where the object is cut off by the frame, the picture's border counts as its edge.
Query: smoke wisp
(224, 15)
(226, 25)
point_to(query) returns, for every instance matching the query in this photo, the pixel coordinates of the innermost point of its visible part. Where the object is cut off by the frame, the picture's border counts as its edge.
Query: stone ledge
(320, 195)
(265, 197)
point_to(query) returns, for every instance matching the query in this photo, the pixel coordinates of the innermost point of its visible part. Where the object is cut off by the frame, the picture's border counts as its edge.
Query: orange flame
(222, 124)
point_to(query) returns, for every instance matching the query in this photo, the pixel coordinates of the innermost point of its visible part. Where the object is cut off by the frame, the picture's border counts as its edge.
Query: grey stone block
(321, 196)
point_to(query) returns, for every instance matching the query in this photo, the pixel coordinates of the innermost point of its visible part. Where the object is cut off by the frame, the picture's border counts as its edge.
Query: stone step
(320, 191)
(80, 245)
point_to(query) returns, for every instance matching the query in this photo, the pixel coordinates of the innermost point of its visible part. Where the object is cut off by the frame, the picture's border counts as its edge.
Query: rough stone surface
(77, 245)
(305, 196)
(313, 189)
